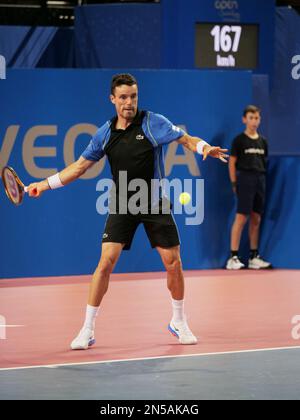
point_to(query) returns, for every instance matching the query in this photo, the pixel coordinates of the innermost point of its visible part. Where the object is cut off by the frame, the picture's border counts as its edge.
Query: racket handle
(34, 191)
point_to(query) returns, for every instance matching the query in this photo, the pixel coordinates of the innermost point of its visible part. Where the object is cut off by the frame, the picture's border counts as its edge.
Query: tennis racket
(14, 187)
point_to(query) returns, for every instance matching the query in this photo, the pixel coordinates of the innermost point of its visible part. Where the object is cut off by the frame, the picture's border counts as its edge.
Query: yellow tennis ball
(184, 198)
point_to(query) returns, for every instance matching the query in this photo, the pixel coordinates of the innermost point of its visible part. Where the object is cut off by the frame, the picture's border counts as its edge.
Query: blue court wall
(60, 233)
(279, 98)
(285, 93)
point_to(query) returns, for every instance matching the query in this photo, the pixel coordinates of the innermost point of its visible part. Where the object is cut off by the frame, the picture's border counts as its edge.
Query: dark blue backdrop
(30, 47)
(285, 93)
(118, 35)
(280, 98)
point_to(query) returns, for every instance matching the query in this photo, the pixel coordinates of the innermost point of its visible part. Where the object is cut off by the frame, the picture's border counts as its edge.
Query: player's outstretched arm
(66, 176)
(197, 145)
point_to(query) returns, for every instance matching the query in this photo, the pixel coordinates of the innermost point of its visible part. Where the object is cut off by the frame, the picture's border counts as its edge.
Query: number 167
(223, 40)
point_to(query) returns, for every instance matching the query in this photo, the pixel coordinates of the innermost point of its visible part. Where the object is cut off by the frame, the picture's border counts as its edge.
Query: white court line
(10, 326)
(152, 358)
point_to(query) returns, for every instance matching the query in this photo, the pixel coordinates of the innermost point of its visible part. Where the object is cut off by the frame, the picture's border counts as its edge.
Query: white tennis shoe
(182, 332)
(234, 263)
(84, 340)
(258, 263)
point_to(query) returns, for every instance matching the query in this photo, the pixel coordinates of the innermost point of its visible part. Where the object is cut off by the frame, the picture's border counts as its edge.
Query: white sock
(90, 317)
(178, 310)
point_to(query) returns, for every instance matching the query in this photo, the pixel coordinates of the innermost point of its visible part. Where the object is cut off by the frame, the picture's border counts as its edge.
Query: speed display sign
(226, 45)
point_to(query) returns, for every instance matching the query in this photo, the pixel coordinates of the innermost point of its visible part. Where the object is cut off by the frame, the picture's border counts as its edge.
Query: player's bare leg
(98, 288)
(175, 281)
(99, 285)
(172, 262)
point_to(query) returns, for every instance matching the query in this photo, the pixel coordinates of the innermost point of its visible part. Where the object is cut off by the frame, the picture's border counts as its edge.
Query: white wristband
(200, 146)
(54, 182)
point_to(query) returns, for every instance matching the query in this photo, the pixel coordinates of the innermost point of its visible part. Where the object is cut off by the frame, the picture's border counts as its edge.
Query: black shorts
(161, 229)
(251, 192)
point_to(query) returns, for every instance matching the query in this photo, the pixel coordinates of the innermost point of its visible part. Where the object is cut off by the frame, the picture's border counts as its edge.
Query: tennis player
(132, 142)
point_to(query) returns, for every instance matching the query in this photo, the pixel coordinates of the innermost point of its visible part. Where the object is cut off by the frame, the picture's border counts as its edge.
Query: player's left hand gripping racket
(14, 187)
